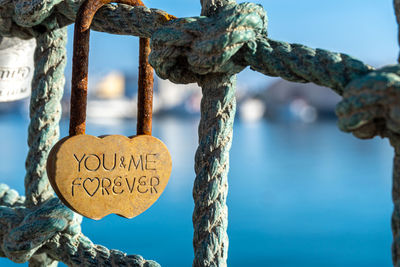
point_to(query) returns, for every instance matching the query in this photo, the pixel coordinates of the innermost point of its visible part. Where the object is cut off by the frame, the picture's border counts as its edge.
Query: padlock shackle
(80, 61)
(145, 89)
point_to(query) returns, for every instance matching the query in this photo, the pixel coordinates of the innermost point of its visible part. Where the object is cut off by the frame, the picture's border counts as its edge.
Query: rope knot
(30, 229)
(188, 48)
(370, 104)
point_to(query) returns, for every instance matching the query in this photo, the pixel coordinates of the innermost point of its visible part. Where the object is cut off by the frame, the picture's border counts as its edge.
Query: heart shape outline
(91, 180)
(60, 174)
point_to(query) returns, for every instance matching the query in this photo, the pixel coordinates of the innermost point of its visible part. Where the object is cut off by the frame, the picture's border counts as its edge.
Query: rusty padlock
(97, 176)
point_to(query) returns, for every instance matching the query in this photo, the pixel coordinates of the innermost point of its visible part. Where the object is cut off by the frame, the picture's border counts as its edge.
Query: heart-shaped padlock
(97, 176)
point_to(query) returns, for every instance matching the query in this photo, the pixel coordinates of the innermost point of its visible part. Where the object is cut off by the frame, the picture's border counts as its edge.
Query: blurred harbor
(298, 186)
(300, 194)
(114, 97)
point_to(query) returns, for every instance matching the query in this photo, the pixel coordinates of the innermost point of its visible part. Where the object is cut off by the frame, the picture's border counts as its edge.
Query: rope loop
(370, 104)
(209, 51)
(38, 227)
(30, 229)
(186, 49)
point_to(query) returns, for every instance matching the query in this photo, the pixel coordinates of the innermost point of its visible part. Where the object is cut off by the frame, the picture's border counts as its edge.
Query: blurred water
(299, 195)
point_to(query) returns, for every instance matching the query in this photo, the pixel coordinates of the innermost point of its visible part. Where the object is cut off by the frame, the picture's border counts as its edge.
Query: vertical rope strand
(396, 5)
(396, 172)
(210, 216)
(396, 204)
(210, 189)
(45, 112)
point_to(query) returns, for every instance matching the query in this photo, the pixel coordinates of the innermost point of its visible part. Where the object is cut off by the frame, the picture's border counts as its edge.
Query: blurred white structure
(251, 110)
(111, 86)
(182, 99)
(304, 102)
(107, 99)
(16, 68)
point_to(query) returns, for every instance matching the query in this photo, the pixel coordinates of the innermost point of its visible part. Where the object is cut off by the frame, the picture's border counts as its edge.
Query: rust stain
(169, 17)
(97, 176)
(80, 63)
(145, 89)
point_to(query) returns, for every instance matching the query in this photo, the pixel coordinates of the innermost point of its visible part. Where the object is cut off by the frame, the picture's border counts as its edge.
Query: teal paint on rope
(209, 50)
(42, 221)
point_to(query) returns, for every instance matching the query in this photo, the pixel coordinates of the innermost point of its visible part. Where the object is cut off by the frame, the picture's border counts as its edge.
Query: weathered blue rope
(236, 37)
(35, 16)
(187, 49)
(54, 230)
(39, 225)
(209, 51)
(370, 105)
(395, 141)
(396, 5)
(299, 63)
(210, 190)
(45, 112)
(43, 131)
(40, 221)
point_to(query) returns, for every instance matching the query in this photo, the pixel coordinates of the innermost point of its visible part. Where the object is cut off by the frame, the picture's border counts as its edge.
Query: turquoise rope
(45, 112)
(207, 50)
(210, 190)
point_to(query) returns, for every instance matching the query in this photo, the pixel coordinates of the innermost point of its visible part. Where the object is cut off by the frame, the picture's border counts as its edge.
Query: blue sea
(299, 195)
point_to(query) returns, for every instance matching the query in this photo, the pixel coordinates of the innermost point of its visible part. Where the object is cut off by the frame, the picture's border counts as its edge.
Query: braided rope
(178, 40)
(31, 14)
(299, 63)
(187, 49)
(121, 19)
(206, 50)
(34, 18)
(396, 203)
(53, 233)
(396, 5)
(45, 112)
(370, 105)
(78, 250)
(395, 142)
(210, 215)
(210, 189)
(32, 228)
(39, 224)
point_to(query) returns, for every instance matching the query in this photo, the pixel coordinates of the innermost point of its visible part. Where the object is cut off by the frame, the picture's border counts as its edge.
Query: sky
(365, 29)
